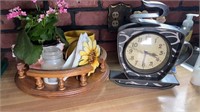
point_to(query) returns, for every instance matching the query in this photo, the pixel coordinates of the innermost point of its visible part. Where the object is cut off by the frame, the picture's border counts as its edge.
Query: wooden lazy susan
(31, 80)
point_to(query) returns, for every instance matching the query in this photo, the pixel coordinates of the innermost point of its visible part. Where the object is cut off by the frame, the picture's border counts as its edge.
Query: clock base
(119, 78)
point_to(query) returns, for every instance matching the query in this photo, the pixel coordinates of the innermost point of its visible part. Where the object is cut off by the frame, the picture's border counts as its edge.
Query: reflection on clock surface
(147, 52)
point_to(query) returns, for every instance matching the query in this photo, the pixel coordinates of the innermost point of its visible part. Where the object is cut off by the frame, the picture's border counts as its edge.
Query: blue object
(173, 70)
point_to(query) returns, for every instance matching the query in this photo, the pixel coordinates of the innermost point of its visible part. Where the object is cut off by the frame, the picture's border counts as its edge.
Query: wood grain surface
(106, 97)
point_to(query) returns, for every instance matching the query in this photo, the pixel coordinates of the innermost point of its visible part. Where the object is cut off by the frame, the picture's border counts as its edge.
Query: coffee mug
(73, 35)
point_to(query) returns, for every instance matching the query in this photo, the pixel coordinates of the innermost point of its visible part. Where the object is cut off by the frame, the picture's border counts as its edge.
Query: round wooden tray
(31, 81)
(72, 85)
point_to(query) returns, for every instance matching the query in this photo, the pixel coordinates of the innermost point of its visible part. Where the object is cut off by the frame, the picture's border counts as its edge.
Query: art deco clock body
(147, 51)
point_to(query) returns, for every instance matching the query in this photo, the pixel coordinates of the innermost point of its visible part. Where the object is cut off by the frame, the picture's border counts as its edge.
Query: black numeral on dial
(155, 40)
(136, 62)
(130, 51)
(143, 65)
(151, 64)
(132, 58)
(161, 53)
(134, 44)
(139, 39)
(160, 46)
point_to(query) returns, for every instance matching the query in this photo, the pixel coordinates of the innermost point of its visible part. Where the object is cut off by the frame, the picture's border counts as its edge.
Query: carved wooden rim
(30, 81)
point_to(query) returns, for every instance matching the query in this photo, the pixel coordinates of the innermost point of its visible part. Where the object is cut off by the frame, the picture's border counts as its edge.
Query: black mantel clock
(147, 51)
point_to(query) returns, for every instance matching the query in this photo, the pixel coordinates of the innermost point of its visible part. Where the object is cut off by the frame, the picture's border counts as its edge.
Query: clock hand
(152, 54)
(145, 53)
(138, 50)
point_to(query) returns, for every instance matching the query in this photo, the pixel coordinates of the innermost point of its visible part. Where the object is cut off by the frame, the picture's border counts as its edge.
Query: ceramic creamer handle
(185, 53)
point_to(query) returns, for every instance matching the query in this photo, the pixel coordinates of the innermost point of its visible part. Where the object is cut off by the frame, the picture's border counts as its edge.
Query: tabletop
(107, 97)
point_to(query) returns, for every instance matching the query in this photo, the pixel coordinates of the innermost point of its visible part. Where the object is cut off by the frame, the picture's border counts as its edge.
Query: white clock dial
(147, 52)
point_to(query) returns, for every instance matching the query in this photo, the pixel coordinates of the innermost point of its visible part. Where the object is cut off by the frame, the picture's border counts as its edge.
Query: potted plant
(37, 29)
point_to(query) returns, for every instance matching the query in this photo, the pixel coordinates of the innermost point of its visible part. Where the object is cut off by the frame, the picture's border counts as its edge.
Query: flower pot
(46, 43)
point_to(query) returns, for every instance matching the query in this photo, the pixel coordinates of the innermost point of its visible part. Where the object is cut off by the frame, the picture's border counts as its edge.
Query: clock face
(147, 53)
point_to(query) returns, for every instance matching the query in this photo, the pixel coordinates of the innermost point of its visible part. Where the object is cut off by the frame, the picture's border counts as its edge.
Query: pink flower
(41, 18)
(62, 6)
(15, 9)
(51, 11)
(15, 12)
(62, 3)
(62, 10)
(34, 1)
(59, 5)
(23, 13)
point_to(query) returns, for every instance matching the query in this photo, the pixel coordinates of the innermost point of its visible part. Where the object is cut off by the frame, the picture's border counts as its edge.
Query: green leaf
(61, 35)
(44, 36)
(33, 55)
(51, 21)
(37, 30)
(28, 18)
(25, 50)
(28, 25)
